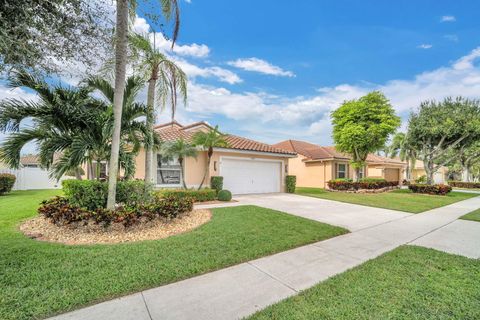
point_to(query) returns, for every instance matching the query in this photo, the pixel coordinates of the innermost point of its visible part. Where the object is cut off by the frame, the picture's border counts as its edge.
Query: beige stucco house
(247, 166)
(316, 165)
(441, 176)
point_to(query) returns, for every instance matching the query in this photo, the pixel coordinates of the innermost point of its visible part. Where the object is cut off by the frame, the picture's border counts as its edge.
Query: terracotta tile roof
(172, 131)
(34, 159)
(316, 152)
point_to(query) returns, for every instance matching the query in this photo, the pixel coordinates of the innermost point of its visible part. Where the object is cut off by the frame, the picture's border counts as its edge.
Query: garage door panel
(250, 176)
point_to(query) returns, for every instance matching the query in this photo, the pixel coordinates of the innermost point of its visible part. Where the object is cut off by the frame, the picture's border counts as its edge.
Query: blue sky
(274, 70)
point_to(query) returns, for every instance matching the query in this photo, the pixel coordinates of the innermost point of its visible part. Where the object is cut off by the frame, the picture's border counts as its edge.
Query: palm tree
(164, 79)
(169, 8)
(401, 146)
(180, 149)
(70, 122)
(207, 141)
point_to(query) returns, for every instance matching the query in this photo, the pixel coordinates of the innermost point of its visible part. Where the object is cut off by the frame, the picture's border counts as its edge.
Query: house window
(341, 171)
(103, 170)
(168, 171)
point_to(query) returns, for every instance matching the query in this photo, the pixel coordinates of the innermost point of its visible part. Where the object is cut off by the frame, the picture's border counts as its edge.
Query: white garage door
(250, 176)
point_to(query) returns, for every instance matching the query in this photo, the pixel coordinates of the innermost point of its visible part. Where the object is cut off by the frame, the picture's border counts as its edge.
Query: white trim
(280, 155)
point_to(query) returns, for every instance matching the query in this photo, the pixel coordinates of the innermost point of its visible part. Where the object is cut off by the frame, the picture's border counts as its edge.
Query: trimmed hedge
(201, 195)
(92, 194)
(7, 181)
(462, 184)
(224, 195)
(61, 211)
(367, 183)
(216, 183)
(291, 182)
(435, 189)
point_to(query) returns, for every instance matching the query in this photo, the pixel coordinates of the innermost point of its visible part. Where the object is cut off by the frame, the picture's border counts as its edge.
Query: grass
(473, 216)
(38, 279)
(406, 283)
(401, 200)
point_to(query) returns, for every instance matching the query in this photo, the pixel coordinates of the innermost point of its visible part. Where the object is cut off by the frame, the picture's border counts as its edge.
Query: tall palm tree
(165, 78)
(180, 149)
(124, 7)
(207, 141)
(70, 122)
(402, 147)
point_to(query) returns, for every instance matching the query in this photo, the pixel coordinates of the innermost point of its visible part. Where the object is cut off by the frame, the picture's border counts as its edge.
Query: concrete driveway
(350, 216)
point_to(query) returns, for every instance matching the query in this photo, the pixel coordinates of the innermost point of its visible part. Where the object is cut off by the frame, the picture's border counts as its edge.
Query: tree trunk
(97, 170)
(357, 174)
(180, 161)
(120, 69)
(150, 121)
(209, 159)
(428, 166)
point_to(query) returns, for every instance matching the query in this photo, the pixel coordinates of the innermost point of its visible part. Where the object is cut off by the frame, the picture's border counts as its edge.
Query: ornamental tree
(440, 129)
(362, 126)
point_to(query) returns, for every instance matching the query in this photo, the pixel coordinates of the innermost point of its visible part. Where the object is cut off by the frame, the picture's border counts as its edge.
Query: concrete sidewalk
(241, 290)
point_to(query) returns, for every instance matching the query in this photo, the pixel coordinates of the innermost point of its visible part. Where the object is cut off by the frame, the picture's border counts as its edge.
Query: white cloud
(193, 50)
(448, 19)
(259, 65)
(273, 118)
(221, 74)
(425, 46)
(451, 37)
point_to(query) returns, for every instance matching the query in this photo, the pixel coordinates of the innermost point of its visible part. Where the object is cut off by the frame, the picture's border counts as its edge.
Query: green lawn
(473, 216)
(401, 200)
(38, 279)
(406, 283)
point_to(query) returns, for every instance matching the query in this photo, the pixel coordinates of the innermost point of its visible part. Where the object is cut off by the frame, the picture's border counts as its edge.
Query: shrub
(438, 189)
(6, 182)
(421, 179)
(291, 182)
(92, 194)
(61, 212)
(197, 195)
(216, 183)
(366, 183)
(462, 184)
(224, 195)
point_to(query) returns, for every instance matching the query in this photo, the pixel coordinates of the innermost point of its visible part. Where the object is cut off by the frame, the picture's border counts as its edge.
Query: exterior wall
(392, 174)
(140, 165)
(374, 172)
(195, 169)
(440, 176)
(310, 174)
(215, 163)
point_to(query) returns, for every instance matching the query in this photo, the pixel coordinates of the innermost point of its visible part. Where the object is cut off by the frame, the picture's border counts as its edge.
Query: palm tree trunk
(120, 69)
(180, 161)
(205, 173)
(150, 122)
(78, 176)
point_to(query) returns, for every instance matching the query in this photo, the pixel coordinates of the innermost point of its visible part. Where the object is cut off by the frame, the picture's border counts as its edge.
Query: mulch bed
(41, 229)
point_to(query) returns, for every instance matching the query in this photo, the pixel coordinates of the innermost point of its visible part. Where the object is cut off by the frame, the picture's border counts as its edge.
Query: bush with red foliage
(434, 189)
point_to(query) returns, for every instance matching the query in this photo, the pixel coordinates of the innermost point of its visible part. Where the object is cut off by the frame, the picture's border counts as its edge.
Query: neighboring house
(247, 166)
(441, 176)
(30, 175)
(316, 165)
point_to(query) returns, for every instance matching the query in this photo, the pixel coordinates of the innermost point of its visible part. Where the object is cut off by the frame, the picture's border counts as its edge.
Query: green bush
(92, 194)
(372, 180)
(463, 184)
(197, 195)
(421, 179)
(224, 195)
(6, 182)
(216, 183)
(435, 189)
(291, 182)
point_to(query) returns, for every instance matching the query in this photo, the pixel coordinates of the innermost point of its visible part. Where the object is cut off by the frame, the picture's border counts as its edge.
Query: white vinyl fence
(32, 178)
